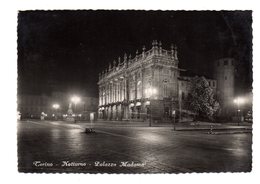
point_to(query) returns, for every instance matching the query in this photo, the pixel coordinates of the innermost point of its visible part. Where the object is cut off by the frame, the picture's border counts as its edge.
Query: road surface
(56, 146)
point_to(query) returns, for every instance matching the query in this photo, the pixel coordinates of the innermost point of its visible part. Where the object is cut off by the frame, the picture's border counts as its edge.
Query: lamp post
(173, 114)
(75, 100)
(151, 92)
(56, 107)
(238, 102)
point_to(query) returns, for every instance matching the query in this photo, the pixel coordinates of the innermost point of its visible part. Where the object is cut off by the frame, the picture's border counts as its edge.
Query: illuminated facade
(148, 85)
(138, 87)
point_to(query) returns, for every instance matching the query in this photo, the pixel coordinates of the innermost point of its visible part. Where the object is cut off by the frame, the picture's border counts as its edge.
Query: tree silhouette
(201, 100)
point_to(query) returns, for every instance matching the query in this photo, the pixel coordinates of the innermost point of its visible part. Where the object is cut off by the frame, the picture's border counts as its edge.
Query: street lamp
(173, 114)
(75, 100)
(56, 107)
(238, 101)
(150, 93)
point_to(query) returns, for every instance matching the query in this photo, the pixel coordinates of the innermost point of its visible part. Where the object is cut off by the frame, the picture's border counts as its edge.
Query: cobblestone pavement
(56, 146)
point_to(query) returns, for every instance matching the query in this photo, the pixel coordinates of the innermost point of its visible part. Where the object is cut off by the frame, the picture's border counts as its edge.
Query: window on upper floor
(138, 75)
(225, 62)
(173, 73)
(165, 88)
(166, 71)
(182, 95)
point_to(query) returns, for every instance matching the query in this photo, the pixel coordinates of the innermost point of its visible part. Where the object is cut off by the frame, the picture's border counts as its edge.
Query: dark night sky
(67, 49)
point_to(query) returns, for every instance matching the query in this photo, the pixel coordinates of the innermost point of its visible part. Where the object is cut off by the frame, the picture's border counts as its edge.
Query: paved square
(45, 146)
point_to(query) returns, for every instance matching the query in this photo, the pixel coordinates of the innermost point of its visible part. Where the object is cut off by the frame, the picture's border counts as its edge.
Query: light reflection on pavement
(161, 149)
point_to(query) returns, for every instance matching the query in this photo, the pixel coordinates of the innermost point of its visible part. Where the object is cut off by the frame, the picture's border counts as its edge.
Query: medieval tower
(224, 74)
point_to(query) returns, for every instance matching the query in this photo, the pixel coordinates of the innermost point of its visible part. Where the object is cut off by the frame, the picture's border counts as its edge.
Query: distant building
(150, 84)
(32, 106)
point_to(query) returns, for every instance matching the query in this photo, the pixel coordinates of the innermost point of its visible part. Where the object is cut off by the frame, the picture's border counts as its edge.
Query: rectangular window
(225, 62)
(165, 90)
(182, 96)
(173, 73)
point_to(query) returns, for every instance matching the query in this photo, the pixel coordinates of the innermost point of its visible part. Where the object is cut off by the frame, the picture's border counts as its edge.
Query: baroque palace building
(149, 85)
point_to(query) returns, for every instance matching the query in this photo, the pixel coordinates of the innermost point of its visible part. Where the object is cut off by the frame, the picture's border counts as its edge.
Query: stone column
(126, 106)
(159, 85)
(152, 80)
(142, 80)
(112, 92)
(99, 96)
(115, 90)
(108, 93)
(135, 85)
(105, 94)
(119, 90)
(125, 88)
